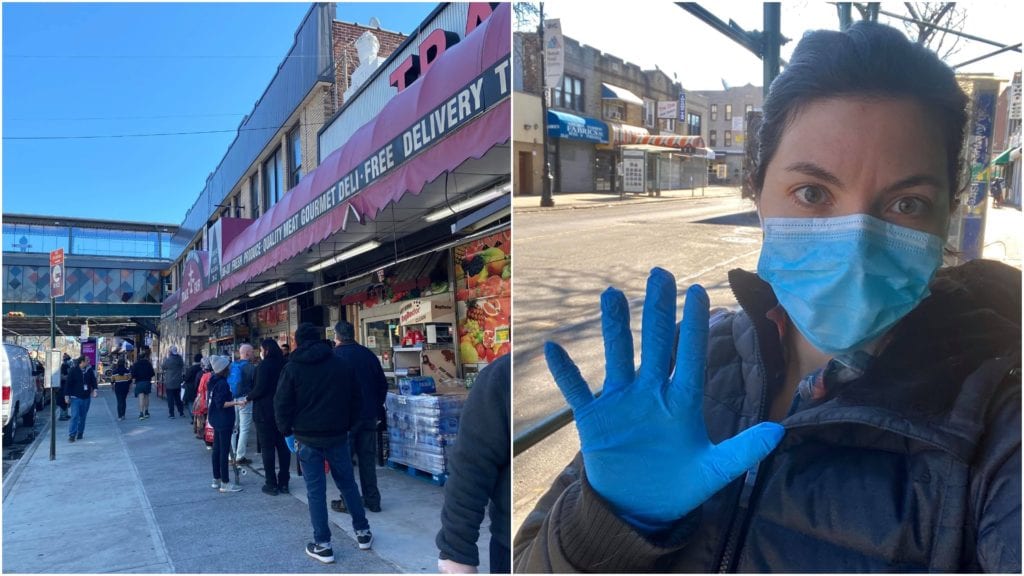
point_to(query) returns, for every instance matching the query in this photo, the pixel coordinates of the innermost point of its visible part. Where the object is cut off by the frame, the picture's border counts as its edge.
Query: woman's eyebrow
(815, 171)
(913, 181)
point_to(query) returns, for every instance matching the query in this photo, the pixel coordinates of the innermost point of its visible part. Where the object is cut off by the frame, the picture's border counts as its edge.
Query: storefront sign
(572, 127)
(667, 109)
(215, 248)
(434, 46)
(554, 53)
(194, 278)
(682, 106)
(481, 94)
(423, 311)
(1015, 97)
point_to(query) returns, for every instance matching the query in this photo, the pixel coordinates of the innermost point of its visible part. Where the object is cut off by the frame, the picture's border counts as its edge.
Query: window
(713, 138)
(120, 243)
(34, 238)
(650, 111)
(667, 124)
(236, 204)
(614, 110)
(728, 111)
(294, 157)
(254, 197)
(728, 138)
(693, 124)
(569, 95)
(714, 112)
(748, 108)
(273, 180)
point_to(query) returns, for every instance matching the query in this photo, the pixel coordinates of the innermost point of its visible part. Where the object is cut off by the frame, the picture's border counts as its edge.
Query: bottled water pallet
(435, 479)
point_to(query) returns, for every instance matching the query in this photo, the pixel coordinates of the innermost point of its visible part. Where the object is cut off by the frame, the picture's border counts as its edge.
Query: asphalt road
(566, 258)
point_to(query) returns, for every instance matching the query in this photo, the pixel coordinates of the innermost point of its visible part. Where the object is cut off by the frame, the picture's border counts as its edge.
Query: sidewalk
(531, 203)
(135, 496)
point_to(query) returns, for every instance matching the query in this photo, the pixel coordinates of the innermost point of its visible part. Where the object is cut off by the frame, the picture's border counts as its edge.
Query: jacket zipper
(750, 479)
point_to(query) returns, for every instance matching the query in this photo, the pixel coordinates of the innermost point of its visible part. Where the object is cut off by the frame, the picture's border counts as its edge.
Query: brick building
(618, 102)
(726, 126)
(261, 166)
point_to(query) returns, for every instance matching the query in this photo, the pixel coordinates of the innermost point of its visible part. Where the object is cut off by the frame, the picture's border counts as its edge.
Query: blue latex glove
(645, 445)
(290, 441)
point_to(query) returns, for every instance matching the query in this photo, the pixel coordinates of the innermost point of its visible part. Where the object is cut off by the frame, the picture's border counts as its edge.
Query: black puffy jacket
(914, 466)
(317, 397)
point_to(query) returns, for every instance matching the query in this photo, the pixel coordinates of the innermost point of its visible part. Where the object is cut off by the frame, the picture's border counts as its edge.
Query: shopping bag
(208, 434)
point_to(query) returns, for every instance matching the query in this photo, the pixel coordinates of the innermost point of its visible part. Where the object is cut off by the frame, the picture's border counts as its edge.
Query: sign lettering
(481, 94)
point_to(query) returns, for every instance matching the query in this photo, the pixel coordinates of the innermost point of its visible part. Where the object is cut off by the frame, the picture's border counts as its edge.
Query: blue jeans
(340, 459)
(79, 410)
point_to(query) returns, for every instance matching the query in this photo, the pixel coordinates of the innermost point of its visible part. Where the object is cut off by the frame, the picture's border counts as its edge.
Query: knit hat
(219, 363)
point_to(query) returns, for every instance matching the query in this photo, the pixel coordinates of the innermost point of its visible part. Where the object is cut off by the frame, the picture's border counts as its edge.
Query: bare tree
(527, 16)
(944, 14)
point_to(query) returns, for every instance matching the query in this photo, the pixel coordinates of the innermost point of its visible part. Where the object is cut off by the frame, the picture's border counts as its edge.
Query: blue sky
(106, 69)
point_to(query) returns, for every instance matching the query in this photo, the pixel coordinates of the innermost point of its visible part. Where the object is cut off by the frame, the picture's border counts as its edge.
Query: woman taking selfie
(861, 412)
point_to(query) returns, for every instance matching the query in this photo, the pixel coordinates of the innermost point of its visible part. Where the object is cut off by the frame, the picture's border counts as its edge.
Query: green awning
(1004, 158)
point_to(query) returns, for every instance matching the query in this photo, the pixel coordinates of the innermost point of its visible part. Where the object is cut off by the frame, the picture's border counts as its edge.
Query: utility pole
(771, 42)
(53, 409)
(545, 196)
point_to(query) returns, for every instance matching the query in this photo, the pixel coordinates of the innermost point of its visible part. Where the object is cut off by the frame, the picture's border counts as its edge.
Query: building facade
(727, 129)
(604, 110)
(398, 219)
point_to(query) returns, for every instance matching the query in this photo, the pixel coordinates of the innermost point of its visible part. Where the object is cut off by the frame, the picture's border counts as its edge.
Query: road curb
(15, 472)
(613, 203)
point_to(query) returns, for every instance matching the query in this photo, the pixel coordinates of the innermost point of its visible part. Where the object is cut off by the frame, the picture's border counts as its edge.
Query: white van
(19, 390)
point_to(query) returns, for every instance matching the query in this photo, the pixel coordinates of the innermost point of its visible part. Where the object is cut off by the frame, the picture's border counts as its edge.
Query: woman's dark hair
(197, 358)
(870, 60)
(270, 348)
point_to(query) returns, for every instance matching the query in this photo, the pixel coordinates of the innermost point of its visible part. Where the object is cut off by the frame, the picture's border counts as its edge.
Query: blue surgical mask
(845, 281)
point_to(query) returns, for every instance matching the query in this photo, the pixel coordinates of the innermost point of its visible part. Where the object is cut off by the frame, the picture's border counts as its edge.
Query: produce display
(421, 429)
(483, 279)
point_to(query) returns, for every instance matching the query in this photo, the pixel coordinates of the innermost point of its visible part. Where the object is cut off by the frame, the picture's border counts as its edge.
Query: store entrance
(380, 336)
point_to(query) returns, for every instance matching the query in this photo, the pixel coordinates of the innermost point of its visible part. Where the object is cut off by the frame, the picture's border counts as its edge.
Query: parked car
(19, 390)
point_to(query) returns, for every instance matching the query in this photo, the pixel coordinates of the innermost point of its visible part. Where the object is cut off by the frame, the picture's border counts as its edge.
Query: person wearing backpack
(241, 378)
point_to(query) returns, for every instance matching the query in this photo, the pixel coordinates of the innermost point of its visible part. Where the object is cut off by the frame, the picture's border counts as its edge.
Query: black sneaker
(243, 461)
(364, 538)
(283, 489)
(172, 416)
(142, 416)
(271, 490)
(79, 436)
(71, 438)
(322, 553)
(339, 506)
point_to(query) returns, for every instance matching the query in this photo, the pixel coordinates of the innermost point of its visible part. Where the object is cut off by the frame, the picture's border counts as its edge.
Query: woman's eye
(910, 206)
(811, 195)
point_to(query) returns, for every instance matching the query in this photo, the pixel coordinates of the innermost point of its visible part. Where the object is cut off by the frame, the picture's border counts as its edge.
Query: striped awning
(673, 141)
(626, 133)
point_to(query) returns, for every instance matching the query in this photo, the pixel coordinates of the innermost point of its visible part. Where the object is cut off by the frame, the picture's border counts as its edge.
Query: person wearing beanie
(222, 418)
(316, 402)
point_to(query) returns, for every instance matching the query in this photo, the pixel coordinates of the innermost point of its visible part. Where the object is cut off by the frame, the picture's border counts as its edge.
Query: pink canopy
(486, 46)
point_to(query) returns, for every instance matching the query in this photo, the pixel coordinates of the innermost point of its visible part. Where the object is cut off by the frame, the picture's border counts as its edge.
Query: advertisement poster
(483, 281)
(554, 53)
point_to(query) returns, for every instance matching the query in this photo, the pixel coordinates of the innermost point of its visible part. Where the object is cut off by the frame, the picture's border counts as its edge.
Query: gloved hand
(453, 567)
(644, 442)
(290, 441)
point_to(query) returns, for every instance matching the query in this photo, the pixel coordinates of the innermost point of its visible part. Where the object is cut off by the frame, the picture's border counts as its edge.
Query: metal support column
(771, 41)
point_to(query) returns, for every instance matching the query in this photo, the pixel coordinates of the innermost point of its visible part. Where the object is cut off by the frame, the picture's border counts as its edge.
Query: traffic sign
(57, 273)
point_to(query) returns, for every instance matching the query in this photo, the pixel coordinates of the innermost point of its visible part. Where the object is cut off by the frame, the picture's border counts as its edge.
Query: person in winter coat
(222, 418)
(242, 378)
(271, 441)
(173, 369)
(374, 387)
(142, 374)
(200, 408)
(480, 472)
(122, 384)
(191, 384)
(65, 369)
(316, 402)
(862, 411)
(81, 389)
